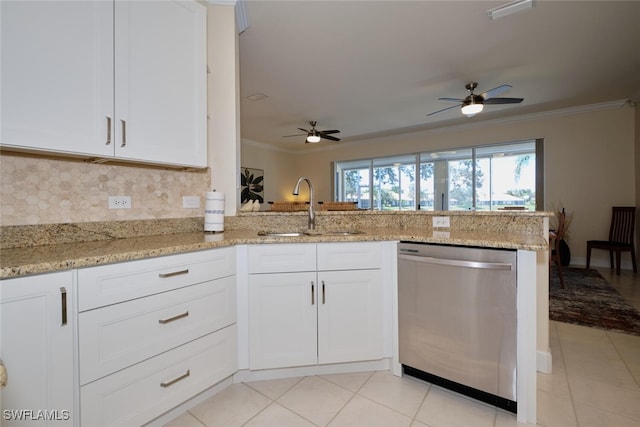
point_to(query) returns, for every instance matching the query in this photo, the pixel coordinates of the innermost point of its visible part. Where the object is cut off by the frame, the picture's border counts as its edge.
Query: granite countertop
(24, 261)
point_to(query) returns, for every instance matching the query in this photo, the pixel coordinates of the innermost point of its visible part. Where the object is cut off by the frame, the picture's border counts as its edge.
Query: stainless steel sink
(340, 233)
(308, 233)
(280, 233)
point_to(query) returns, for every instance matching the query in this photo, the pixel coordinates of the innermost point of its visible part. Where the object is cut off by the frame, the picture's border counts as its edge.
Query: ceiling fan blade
(329, 137)
(304, 130)
(444, 109)
(503, 101)
(495, 91)
(329, 131)
(451, 99)
(298, 134)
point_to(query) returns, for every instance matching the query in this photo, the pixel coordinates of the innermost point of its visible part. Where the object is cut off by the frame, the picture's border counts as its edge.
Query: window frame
(440, 159)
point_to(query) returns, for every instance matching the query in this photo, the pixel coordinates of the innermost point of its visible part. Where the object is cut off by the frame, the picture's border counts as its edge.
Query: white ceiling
(378, 67)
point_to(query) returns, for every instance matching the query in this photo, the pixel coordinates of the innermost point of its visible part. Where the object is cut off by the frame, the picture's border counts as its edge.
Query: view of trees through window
(479, 178)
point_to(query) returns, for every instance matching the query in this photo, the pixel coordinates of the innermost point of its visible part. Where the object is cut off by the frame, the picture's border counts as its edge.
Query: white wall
(280, 170)
(223, 103)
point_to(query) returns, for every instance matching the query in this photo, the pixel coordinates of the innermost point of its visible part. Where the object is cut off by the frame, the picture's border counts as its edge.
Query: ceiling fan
(314, 134)
(473, 104)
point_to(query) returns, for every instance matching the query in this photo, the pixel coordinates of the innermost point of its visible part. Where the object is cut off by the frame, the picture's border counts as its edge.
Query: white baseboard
(602, 262)
(544, 361)
(302, 371)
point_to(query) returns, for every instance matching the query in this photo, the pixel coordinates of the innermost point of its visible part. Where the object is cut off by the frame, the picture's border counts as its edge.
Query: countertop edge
(31, 261)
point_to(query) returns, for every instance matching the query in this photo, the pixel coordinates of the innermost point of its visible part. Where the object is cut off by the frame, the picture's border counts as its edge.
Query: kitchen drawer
(142, 392)
(282, 258)
(110, 284)
(349, 256)
(120, 335)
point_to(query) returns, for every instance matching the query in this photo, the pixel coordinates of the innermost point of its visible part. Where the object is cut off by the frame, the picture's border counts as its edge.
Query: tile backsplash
(47, 190)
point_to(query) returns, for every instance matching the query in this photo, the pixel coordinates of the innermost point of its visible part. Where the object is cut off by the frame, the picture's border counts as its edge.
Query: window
(501, 176)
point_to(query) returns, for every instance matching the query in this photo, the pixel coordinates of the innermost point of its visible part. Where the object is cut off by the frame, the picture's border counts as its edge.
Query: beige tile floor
(595, 382)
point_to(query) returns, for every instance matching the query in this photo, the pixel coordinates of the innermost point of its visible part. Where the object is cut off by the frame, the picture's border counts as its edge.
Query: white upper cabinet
(57, 75)
(160, 81)
(123, 80)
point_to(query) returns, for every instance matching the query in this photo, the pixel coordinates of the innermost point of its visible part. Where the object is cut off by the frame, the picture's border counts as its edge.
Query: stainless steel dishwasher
(457, 319)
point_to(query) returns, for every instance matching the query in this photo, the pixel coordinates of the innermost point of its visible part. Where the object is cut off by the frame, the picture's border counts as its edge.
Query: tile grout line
(353, 393)
(275, 401)
(566, 377)
(624, 362)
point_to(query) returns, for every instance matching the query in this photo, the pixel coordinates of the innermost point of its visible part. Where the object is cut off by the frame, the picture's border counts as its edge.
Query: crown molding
(222, 2)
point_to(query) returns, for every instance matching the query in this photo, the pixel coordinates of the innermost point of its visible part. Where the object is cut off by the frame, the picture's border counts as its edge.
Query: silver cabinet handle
(3, 375)
(313, 293)
(323, 298)
(63, 300)
(124, 133)
(173, 273)
(108, 131)
(169, 383)
(458, 263)
(174, 318)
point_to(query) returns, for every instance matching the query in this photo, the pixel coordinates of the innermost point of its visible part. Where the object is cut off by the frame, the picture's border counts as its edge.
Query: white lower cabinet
(328, 315)
(153, 334)
(349, 316)
(282, 320)
(36, 349)
(137, 394)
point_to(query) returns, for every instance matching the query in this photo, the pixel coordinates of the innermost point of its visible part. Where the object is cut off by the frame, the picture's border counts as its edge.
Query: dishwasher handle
(458, 263)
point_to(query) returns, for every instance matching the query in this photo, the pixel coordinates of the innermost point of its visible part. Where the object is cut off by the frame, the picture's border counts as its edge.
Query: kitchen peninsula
(112, 250)
(50, 247)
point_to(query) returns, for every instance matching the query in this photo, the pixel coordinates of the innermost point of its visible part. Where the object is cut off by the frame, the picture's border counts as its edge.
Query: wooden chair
(554, 245)
(621, 235)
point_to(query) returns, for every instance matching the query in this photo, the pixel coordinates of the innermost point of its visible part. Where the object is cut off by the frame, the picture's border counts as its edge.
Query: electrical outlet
(441, 221)
(119, 202)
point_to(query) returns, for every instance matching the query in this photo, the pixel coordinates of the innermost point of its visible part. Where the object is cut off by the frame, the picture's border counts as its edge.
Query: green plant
(251, 186)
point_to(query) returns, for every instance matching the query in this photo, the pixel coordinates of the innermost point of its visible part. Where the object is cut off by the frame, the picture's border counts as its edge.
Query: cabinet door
(349, 316)
(160, 81)
(282, 320)
(36, 347)
(57, 75)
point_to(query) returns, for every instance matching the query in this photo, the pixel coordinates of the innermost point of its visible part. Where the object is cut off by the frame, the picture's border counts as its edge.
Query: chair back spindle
(621, 237)
(622, 224)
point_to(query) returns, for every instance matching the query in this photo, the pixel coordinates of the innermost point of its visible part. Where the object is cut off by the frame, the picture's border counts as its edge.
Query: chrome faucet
(312, 212)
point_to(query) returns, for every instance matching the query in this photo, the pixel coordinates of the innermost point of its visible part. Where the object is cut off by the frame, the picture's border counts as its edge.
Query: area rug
(589, 300)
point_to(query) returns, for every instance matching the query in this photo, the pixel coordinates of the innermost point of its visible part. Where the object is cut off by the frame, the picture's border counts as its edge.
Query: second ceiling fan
(473, 104)
(314, 134)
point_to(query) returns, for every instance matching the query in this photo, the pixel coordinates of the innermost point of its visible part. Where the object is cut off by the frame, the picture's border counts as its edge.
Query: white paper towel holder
(205, 226)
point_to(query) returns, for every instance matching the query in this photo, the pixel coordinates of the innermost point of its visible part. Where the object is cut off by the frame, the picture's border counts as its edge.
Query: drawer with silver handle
(117, 336)
(142, 392)
(114, 283)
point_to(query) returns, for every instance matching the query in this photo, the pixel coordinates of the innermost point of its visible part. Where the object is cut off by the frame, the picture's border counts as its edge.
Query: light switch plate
(441, 221)
(190, 202)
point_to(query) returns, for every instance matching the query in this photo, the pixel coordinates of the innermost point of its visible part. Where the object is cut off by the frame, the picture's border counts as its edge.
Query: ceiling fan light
(313, 138)
(472, 109)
